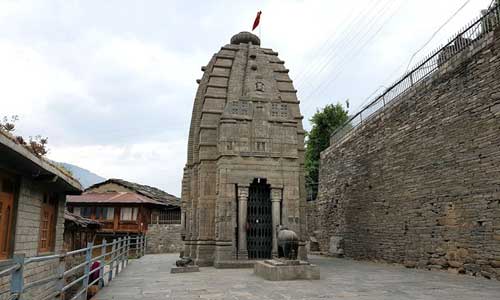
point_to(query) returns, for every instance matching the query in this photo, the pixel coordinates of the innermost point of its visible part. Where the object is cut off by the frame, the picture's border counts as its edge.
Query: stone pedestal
(279, 270)
(186, 269)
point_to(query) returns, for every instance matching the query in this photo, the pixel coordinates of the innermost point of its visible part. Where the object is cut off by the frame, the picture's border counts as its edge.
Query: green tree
(324, 123)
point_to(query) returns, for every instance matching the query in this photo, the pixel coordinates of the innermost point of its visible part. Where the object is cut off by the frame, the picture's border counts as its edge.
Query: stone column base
(204, 253)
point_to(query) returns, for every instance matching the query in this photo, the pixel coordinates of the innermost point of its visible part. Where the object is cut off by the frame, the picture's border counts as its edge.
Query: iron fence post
(137, 246)
(118, 256)
(88, 258)
(102, 262)
(142, 245)
(128, 248)
(17, 284)
(122, 260)
(112, 262)
(60, 271)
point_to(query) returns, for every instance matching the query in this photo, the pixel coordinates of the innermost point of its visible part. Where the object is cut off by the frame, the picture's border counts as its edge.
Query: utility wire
(359, 50)
(324, 47)
(355, 28)
(355, 48)
(331, 49)
(436, 32)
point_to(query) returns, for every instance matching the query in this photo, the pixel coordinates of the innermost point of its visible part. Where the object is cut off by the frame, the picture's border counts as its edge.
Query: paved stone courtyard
(150, 278)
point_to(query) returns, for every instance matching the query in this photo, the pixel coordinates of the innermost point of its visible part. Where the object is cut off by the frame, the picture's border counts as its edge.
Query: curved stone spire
(246, 125)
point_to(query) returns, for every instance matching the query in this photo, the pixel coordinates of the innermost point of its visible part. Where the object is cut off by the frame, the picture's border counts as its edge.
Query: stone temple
(245, 169)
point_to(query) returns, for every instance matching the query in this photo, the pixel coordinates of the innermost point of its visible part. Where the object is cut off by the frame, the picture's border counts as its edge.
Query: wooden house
(123, 207)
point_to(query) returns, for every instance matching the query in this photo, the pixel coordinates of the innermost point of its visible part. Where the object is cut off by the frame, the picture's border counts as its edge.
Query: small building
(125, 208)
(78, 231)
(32, 199)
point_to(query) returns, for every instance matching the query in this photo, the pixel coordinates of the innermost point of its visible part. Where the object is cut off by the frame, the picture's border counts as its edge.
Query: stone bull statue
(288, 243)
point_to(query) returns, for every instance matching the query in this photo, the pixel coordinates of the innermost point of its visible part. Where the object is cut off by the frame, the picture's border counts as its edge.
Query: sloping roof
(113, 198)
(145, 190)
(80, 221)
(16, 156)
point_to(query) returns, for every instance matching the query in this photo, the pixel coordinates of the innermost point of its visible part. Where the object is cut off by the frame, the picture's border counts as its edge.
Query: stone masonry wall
(27, 229)
(419, 183)
(164, 238)
(312, 226)
(311, 217)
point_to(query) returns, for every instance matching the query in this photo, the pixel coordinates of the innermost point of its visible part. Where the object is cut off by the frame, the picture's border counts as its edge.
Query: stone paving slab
(150, 278)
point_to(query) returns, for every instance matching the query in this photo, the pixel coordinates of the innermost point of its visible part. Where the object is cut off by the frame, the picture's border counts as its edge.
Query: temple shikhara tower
(245, 168)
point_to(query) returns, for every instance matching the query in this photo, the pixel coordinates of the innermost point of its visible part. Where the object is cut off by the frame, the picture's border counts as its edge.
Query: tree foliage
(324, 123)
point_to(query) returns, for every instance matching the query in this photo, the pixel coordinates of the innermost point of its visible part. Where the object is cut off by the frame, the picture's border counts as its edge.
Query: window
(6, 216)
(77, 211)
(48, 220)
(86, 212)
(104, 213)
(128, 213)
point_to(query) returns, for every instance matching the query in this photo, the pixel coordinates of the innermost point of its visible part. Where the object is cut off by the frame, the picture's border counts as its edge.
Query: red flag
(257, 21)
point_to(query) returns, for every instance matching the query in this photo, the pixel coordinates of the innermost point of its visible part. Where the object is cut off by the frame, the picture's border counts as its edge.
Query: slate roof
(145, 190)
(80, 221)
(16, 156)
(113, 198)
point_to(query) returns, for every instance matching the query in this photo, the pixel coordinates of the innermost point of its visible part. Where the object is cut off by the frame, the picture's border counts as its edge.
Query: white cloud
(112, 83)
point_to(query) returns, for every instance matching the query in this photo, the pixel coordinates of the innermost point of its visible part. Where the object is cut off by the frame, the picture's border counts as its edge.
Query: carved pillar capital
(276, 194)
(242, 193)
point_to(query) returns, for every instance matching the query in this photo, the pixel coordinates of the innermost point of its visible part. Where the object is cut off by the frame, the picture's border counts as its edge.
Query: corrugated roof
(145, 190)
(113, 197)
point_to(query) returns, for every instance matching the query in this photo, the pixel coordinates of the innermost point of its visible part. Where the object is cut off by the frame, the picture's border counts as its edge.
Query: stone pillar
(276, 195)
(242, 222)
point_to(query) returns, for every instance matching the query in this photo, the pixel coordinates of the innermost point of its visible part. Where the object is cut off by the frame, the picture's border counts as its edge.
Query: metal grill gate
(260, 222)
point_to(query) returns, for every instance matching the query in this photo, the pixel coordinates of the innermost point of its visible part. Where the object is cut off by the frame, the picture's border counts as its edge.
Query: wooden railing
(113, 258)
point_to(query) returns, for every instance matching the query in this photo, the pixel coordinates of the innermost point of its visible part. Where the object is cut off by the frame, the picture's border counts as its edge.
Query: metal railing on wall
(167, 217)
(113, 258)
(467, 37)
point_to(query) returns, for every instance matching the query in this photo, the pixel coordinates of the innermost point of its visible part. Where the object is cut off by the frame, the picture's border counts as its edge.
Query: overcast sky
(112, 83)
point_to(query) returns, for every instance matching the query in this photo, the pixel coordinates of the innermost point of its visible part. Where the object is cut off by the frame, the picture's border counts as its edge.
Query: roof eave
(21, 160)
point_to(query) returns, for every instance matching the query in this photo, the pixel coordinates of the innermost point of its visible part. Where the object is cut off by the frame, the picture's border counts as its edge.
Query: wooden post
(102, 262)
(88, 257)
(111, 264)
(17, 283)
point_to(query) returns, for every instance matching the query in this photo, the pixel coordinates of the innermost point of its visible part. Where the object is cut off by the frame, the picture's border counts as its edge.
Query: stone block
(335, 248)
(279, 271)
(187, 269)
